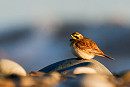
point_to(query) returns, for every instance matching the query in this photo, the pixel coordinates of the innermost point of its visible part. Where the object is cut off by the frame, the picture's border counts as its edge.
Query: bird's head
(76, 36)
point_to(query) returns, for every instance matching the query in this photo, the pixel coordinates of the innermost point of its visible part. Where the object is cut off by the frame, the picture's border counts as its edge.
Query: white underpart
(81, 54)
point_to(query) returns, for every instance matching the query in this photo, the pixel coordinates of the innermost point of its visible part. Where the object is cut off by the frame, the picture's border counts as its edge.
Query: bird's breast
(80, 53)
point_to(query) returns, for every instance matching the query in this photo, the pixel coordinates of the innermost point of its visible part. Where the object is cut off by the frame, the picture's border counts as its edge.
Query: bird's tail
(104, 55)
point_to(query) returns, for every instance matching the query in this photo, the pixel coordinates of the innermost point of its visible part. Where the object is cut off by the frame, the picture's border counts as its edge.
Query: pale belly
(81, 54)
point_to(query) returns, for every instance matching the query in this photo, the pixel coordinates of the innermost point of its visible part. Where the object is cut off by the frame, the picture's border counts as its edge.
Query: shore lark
(85, 48)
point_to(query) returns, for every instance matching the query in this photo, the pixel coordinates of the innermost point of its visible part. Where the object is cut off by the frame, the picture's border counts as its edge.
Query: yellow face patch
(73, 37)
(76, 35)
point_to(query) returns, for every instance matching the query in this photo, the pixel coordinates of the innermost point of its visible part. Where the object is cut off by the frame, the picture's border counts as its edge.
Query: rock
(8, 67)
(82, 70)
(36, 73)
(95, 80)
(27, 82)
(48, 80)
(6, 83)
(72, 65)
(123, 79)
(88, 80)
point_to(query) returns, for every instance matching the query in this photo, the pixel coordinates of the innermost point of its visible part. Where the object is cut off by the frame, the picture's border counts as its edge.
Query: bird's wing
(87, 44)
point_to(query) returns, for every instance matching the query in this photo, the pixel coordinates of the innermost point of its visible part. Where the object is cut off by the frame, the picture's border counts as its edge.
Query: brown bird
(85, 48)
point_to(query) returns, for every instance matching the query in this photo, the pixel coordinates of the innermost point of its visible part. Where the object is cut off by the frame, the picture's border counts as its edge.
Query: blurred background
(36, 33)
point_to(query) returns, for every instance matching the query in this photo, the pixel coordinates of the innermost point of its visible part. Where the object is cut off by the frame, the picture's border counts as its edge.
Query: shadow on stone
(65, 66)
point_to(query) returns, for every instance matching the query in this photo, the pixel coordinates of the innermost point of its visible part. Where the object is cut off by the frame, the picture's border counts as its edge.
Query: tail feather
(108, 56)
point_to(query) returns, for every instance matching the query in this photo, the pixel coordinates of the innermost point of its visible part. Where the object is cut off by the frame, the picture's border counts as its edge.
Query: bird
(85, 48)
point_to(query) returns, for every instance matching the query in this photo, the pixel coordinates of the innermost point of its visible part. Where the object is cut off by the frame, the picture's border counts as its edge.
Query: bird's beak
(72, 36)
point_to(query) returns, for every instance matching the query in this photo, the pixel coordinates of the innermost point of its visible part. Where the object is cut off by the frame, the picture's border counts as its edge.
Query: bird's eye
(76, 37)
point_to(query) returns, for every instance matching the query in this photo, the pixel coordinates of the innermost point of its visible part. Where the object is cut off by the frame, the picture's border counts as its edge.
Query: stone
(69, 65)
(8, 67)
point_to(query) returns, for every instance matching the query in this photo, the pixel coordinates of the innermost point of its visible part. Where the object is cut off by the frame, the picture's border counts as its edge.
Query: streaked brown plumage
(85, 48)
